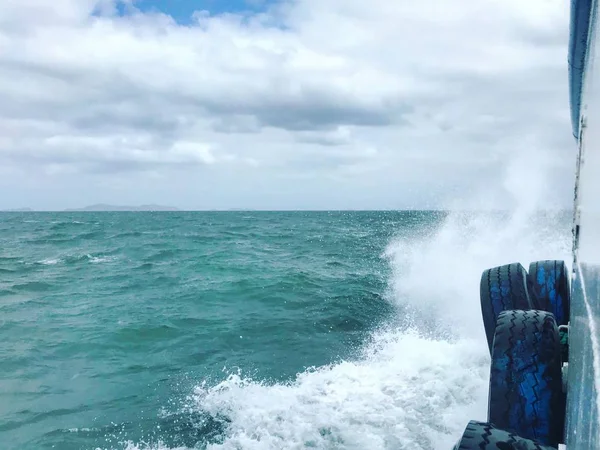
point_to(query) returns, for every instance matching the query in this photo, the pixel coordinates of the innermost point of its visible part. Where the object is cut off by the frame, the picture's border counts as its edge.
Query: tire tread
(502, 288)
(550, 283)
(484, 436)
(525, 378)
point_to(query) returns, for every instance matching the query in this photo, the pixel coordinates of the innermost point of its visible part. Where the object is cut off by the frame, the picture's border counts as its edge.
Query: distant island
(99, 208)
(105, 207)
(18, 210)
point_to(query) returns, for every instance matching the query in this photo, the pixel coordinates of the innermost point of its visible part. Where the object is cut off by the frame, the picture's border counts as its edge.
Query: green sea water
(248, 330)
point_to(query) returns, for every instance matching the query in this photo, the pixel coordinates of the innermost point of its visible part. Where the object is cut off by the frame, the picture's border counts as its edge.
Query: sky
(277, 104)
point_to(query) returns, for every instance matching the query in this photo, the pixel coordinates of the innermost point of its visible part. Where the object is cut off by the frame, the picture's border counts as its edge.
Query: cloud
(317, 103)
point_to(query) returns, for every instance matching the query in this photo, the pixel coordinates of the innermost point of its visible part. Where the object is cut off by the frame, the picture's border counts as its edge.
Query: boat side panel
(583, 400)
(578, 44)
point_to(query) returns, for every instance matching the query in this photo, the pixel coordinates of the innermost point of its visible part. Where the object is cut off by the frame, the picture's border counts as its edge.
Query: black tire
(502, 288)
(526, 394)
(483, 436)
(550, 282)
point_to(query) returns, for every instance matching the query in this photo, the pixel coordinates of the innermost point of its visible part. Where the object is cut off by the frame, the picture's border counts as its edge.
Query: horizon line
(179, 210)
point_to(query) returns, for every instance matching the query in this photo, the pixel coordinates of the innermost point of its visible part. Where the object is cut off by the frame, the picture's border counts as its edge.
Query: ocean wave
(32, 286)
(75, 259)
(398, 343)
(49, 261)
(413, 387)
(100, 259)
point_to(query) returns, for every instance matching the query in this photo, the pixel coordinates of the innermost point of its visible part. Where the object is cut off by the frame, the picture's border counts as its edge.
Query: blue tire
(550, 282)
(483, 436)
(526, 396)
(503, 288)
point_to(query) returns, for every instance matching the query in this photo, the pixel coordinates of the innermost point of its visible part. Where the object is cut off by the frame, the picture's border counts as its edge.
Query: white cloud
(315, 103)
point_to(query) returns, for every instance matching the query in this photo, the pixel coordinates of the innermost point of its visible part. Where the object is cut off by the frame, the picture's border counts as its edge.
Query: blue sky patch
(182, 10)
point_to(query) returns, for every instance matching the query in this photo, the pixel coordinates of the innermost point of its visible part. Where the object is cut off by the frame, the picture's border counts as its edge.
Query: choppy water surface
(249, 330)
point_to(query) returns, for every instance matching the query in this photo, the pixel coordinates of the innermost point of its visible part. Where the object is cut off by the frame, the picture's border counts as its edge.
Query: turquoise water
(247, 330)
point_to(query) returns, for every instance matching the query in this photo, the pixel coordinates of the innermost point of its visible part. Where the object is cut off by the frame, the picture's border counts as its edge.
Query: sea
(251, 330)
